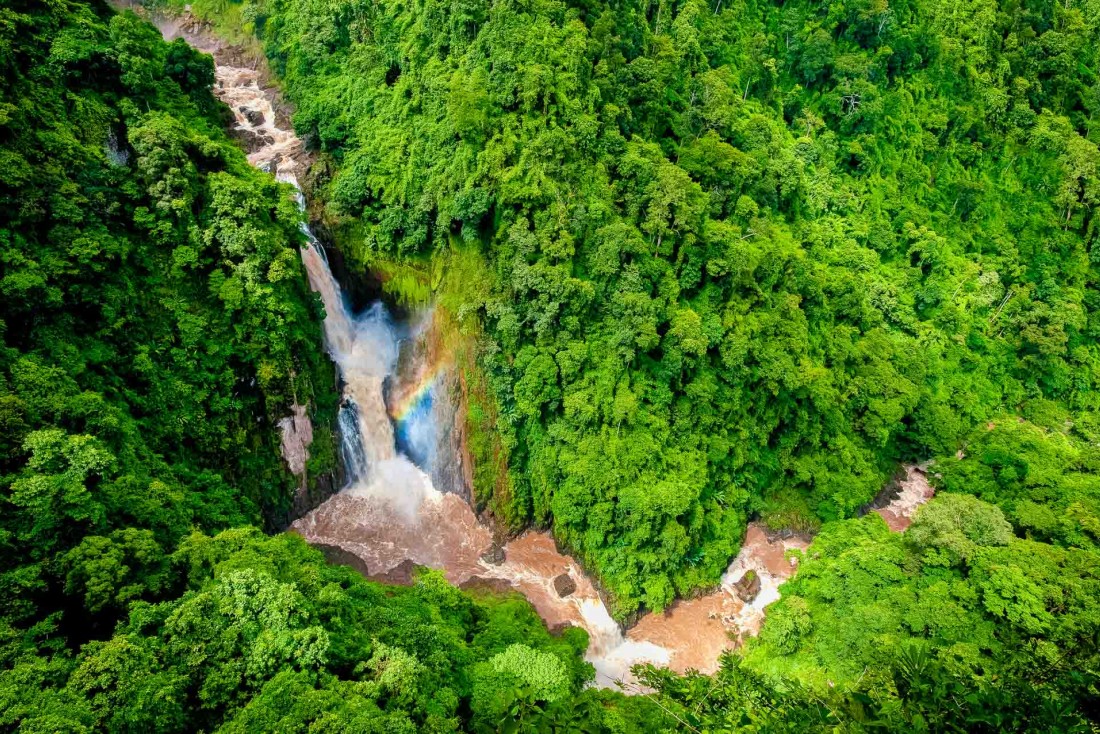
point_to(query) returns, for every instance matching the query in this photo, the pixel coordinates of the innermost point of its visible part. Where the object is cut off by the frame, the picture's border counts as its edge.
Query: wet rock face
(341, 557)
(308, 497)
(557, 630)
(254, 117)
(297, 436)
(564, 584)
(748, 586)
(254, 142)
(494, 556)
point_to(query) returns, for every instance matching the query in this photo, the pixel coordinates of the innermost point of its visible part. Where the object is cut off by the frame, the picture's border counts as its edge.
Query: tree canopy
(724, 260)
(738, 257)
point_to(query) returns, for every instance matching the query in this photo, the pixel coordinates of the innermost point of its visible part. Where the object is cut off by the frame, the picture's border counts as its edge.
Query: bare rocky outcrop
(297, 435)
(403, 574)
(491, 585)
(254, 117)
(252, 141)
(494, 556)
(564, 584)
(748, 586)
(341, 557)
(557, 630)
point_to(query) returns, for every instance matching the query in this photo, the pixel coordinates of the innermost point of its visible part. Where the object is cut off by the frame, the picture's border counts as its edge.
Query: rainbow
(410, 400)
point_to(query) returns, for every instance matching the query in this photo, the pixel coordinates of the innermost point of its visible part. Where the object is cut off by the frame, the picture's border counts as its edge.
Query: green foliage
(114, 570)
(155, 322)
(266, 636)
(1045, 479)
(743, 256)
(984, 620)
(958, 624)
(919, 694)
(956, 528)
(155, 318)
(543, 673)
(724, 260)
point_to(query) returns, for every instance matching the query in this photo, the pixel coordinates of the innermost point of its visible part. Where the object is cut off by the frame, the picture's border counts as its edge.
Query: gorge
(390, 511)
(755, 343)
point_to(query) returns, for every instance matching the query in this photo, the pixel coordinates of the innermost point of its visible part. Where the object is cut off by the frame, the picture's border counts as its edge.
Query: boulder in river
(337, 555)
(748, 586)
(251, 140)
(254, 117)
(557, 630)
(564, 584)
(494, 556)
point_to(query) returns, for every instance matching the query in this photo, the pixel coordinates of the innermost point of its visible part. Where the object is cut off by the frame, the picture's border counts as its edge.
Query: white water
(364, 347)
(388, 499)
(406, 514)
(913, 491)
(398, 495)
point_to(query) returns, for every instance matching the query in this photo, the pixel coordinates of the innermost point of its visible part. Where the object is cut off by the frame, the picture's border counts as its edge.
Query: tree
(955, 527)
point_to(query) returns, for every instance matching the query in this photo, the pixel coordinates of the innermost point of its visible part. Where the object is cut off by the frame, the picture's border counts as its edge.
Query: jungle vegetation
(982, 617)
(743, 258)
(724, 260)
(738, 257)
(156, 323)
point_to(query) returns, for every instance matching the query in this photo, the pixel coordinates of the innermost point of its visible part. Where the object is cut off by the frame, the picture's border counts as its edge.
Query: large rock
(254, 117)
(251, 140)
(494, 556)
(336, 555)
(748, 586)
(297, 436)
(564, 584)
(557, 630)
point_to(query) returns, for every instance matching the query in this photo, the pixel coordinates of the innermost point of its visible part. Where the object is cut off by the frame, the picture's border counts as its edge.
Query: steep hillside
(740, 257)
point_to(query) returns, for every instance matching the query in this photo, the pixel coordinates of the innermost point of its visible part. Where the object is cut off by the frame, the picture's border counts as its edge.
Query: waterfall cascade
(391, 512)
(396, 512)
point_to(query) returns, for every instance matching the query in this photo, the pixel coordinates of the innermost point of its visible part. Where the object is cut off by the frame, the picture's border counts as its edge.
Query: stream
(397, 422)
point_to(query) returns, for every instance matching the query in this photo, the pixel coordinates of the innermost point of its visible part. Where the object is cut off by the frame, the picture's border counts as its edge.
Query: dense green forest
(156, 322)
(736, 257)
(724, 259)
(742, 258)
(983, 616)
(155, 318)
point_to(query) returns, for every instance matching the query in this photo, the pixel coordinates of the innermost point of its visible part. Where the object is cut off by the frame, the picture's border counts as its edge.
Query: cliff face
(425, 398)
(453, 471)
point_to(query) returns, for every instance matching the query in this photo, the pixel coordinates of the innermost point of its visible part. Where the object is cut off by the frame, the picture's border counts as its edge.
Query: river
(395, 420)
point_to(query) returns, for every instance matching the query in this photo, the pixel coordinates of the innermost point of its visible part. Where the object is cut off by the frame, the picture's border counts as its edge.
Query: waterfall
(364, 347)
(390, 511)
(351, 442)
